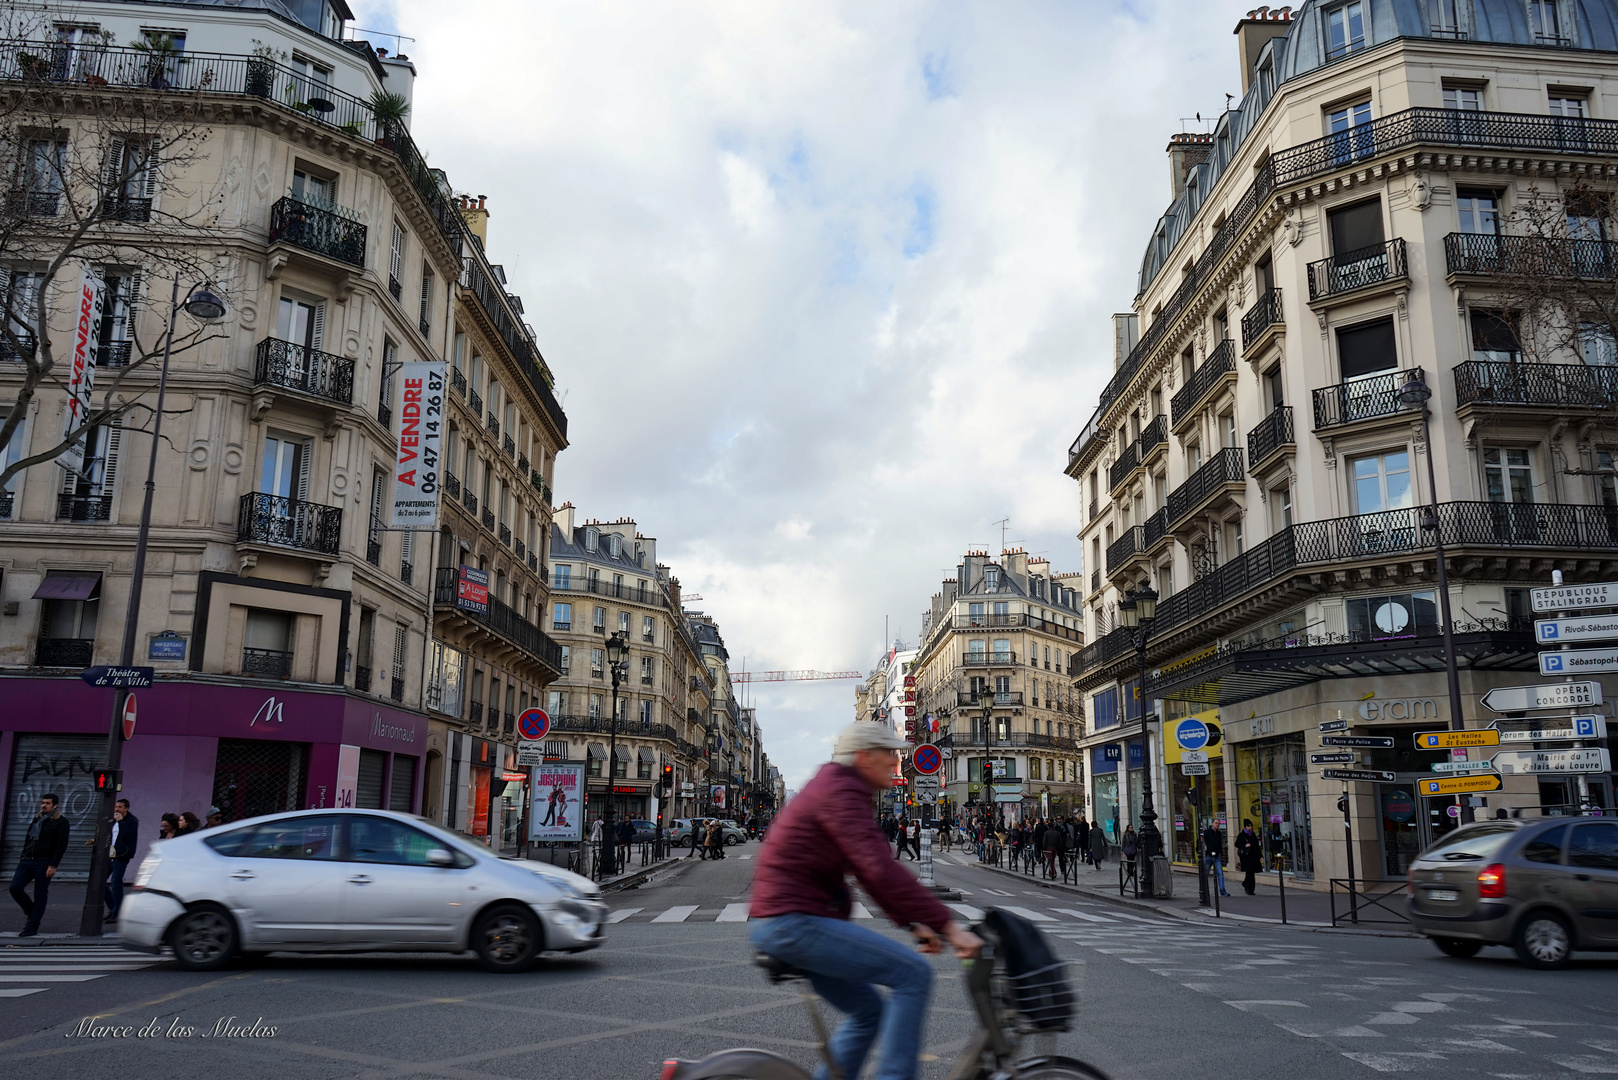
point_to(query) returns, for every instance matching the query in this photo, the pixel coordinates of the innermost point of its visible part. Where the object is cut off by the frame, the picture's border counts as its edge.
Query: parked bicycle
(1017, 988)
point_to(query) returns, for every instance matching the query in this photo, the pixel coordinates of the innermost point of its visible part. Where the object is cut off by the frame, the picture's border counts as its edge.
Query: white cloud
(826, 285)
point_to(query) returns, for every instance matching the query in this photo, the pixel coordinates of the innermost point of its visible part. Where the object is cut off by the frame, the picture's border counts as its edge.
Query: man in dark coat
(1213, 844)
(1084, 838)
(1249, 854)
(43, 846)
(125, 834)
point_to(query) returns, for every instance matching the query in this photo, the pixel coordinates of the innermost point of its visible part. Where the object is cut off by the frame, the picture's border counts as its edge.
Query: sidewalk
(1305, 909)
(61, 923)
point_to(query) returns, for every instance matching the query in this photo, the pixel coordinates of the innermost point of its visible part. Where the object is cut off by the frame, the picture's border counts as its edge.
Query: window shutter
(378, 479)
(426, 295)
(114, 183)
(148, 173)
(399, 639)
(109, 465)
(307, 451)
(319, 335)
(406, 547)
(398, 252)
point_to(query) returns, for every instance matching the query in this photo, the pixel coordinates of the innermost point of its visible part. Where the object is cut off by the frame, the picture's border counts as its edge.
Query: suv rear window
(1471, 843)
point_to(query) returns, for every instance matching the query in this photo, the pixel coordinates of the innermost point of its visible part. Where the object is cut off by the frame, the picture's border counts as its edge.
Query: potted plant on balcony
(32, 65)
(390, 110)
(261, 69)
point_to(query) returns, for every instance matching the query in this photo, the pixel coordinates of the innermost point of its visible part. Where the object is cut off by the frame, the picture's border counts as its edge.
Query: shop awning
(620, 753)
(67, 585)
(598, 751)
(647, 755)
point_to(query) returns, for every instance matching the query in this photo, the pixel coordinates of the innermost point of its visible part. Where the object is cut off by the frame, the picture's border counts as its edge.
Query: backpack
(1036, 977)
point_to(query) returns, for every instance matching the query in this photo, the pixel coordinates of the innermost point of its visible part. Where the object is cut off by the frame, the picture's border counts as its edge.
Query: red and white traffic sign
(927, 759)
(533, 724)
(129, 717)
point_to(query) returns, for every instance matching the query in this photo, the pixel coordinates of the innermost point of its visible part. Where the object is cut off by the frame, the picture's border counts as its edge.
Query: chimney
(476, 218)
(1261, 26)
(1015, 562)
(1125, 332)
(563, 519)
(1187, 150)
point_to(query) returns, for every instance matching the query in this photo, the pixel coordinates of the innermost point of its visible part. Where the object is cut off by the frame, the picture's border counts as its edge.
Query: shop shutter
(64, 764)
(368, 793)
(403, 784)
(256, 776)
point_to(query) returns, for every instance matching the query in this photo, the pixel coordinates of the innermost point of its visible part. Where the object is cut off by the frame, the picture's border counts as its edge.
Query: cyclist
(802, 903)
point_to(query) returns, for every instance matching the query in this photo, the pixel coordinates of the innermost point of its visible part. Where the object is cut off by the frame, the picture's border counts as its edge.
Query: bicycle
(1010, 1009)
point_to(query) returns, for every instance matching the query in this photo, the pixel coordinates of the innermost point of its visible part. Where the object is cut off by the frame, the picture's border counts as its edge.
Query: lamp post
(1139, 609)
(617, 657)
(986, 703)
(205, 306)
(1414, 394)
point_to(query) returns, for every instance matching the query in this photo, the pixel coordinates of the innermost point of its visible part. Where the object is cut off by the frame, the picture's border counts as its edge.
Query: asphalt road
(1162, 999)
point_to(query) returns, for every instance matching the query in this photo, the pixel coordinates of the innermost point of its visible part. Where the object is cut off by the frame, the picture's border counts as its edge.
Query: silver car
(360, 880)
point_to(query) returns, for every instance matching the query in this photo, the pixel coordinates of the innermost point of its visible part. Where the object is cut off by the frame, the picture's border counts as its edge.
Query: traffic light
(109, 779)
(668, 778)
(988, 771)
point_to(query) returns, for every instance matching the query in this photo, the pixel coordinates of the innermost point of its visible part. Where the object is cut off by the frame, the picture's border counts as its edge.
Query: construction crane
(791, 676)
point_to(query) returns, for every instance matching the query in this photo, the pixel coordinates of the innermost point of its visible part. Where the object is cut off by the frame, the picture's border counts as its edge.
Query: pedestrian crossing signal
(109, 779)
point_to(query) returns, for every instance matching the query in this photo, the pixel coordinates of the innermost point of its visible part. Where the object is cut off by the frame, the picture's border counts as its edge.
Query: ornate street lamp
(986, 703)
(1138, 609)
(617, 660)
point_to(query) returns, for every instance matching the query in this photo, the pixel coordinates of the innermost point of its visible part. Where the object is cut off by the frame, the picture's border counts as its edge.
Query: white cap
(865, 735)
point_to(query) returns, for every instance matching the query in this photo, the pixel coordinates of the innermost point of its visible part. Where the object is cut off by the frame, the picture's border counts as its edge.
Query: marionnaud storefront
(250, 749)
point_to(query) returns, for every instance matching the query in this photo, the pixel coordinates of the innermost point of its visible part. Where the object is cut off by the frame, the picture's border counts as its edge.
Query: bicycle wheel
(1053, 1067)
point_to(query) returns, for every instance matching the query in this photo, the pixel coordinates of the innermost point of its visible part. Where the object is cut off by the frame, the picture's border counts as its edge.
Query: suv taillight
(1492, 881)
(668, 1069)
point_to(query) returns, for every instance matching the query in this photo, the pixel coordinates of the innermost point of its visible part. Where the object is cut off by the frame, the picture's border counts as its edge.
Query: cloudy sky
(825, 286)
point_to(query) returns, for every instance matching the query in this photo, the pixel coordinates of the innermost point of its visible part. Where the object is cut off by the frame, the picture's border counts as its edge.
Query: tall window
(1572, 106)
(44, 173)
(1446, 18)
(1545, 22)
(1463, 98)
(131, 180)
(1345, 30)
(1381, 482)
(1494, 337)
(396, 260)
(1508, 474)
(1350, 143)
(284, 471)
(991, 578)
(561, 616)
(1479, 211)
(1367, 349)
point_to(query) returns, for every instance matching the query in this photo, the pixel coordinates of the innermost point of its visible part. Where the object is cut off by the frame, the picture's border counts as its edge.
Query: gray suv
(1545, 887)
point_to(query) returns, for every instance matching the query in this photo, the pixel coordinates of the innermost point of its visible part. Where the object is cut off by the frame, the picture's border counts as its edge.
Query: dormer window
(615, 545)
(592, 539)
(1345, 30)
(991, 578)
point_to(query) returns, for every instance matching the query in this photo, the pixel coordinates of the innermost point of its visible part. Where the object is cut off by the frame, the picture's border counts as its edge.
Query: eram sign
(418, 430)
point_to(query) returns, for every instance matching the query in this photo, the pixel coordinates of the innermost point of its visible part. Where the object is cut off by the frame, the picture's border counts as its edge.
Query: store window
(1272, 791)
(1384, 618)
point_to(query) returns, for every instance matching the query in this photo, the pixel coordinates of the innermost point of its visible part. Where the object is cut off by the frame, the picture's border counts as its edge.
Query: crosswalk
(1071, 919)
(37, 968)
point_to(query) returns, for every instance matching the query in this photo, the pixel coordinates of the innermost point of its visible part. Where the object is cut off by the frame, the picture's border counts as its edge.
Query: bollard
(927, 858)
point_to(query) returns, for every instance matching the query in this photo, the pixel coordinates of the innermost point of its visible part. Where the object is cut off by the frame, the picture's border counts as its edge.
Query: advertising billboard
(419, 428)
(556, 812)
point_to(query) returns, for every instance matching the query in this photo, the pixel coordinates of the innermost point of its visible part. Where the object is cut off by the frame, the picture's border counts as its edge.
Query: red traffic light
(109, 780)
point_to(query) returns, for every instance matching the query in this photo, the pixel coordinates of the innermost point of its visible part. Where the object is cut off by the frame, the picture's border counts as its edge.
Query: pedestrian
(168, 826)
(43, 846)
(698, 848)
(915, 839)
(1131, 844)
(901, 837)
(1213, 845)
(714, 841)
(625, 835)
(125, 832)
(215, 818)
(1249, 854)
(1055, 847)
(946, 833)
(1098, 846)
(188, 824)
(1084, 838)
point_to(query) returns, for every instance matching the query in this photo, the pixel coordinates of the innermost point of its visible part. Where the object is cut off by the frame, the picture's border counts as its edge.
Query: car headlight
(148, 867)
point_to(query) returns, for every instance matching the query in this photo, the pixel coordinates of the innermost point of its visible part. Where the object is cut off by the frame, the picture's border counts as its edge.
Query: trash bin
(1162, 877)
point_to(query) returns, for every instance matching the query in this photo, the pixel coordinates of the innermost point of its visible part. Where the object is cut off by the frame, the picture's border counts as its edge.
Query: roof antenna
(1004, 524)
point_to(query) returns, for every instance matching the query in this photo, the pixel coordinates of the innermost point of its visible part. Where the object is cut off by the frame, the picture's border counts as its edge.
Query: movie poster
(557, 812)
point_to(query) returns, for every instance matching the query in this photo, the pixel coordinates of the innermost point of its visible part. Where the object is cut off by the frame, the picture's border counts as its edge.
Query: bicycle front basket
(1043, 998)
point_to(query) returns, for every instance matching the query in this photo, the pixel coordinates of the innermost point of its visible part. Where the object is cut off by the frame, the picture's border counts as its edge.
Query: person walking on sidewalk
(1055, 847)
(1098, 846)
(1249, 854)
(42, 849)
(1213, 844)
(1084, 838)
(696, 839)
(125, 834)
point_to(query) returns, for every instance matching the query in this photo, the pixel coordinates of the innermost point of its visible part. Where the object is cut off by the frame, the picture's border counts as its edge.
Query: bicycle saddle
(778, 969)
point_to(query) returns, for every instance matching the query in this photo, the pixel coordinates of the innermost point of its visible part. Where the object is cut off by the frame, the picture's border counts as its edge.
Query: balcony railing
(1135, 455)
(131, 211)
(533, 562)
(1357, 269)
(373, 551)
(396, 688)
(452, 485)
(1265, 313)
(1126, 547)
(20, 352)
(84, 508)
(1124, 467)
(1554, 258)
(271, 519)
(493, 425)
(509, 445)
(384, 415)
(1220, 362)
(1002, 699)
(457, 381)
(8, 505)
(505, 534)
(309, 371)
(502, 619)
(622, 590)
(324, 230)
(395, 288)
(113, 354)
(407, 573)
(362, 679)
(521, 549)
(470, 500)
(1271, 434)
(1157, 527)
(267, 663)
(1563, 386)
(522, 464)
(989, 659)
(492, 297)
(488, 519)
(63, 652)
(1014, 738)
(1359, 399)
(1223, 468)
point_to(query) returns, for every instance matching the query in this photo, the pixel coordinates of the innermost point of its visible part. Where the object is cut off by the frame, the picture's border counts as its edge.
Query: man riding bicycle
(802, 903)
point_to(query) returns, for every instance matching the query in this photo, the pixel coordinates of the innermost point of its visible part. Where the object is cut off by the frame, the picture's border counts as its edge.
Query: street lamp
(986, 703)
(1139, 609)
(205, 306)
(617, 657)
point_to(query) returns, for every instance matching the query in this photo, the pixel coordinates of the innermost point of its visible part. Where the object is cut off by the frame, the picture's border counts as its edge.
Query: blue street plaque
(1191, 734)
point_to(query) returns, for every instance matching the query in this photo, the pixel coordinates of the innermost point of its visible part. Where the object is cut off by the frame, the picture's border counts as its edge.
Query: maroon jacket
(824, 834)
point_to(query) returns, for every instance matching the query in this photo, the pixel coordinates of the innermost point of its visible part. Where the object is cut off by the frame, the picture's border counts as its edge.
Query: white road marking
(733, 913)
(15, 992)
(1085, 915)
(104, 968)
(1247, 1006)
(739, 856)
(997, 892)
(860, 911)
(623, 913)
(49, 978)
(968, 910)
(1033, 916)
(677, 914)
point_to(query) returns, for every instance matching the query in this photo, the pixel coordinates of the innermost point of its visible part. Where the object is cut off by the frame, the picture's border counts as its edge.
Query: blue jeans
(115, 885)
(1217, 866)
(845, 962)
(33, 909)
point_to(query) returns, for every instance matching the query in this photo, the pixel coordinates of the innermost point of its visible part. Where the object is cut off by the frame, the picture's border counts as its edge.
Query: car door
(282, 877)
(391, 895)
(1592, 857)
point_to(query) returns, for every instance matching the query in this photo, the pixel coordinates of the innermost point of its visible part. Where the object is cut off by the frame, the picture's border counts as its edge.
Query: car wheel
(1543, 940)
(507, 939)
(731, 841)
(1457, 947)
(203, 939)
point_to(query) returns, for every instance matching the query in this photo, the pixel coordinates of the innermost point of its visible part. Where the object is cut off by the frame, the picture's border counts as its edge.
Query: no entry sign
(532, 724)
(129, 717)
(927, 759)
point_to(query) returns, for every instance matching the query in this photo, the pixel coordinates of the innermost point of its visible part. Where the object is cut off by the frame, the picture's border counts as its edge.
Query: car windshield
(1473, 843)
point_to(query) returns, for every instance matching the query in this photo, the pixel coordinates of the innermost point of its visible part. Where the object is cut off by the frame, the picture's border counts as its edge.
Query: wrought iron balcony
(8, 505)
(1125, 548)
(493, 424)
(474, 402)
(131, 211)
(1265, 313)
(505, 534)
(325, 230)
(384, 415)
(1560, 386)
(1157, 529)
(1216, 475)
(309, 371)
(470, 501)
(362, 679)
(521, 549)
(424, 326)
(395, 288)
(307, 526)
(114, 354)
(452, 485)
(34, 203)
(396, 688)
(474, 713)
(522, 464)
(64, 652)
(1362, 268)
(457, 381)
(1492, 255)
(488, 519)
(1153, 436)
(407, 573)
(1359, 399)
(267, 663)
(1203, 381)
(373, 551)
(510, 446)
(1272, 434)
(1003, 699)
(989, 659)
(533, 562)
(84, 508)
(20, 352)
(1124, 467)
(500, 618)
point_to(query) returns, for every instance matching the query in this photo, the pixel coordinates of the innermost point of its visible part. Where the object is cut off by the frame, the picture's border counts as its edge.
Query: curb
(638, 877)
(45, 941)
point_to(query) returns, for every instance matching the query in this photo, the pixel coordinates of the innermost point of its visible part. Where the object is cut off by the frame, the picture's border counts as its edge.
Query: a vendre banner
(419, 430)
(81, 375)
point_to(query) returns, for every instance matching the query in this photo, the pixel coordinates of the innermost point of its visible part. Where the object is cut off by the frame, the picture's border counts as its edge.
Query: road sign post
(1375, 776)
(1600, 594)
(1572, 695)
(1458, 785)
(1370, 742)
(129, 718)
(1449, 740)
(1589, 759)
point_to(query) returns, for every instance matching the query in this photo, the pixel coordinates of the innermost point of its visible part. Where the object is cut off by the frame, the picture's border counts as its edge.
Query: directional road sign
(119, 678)
(1571, 597)
(1569, 727)
(1578, 661)
(1194, 757)
(927, 759)
(1380, 776)
(1577, 630)
(1461, 766)
(1380, 742)
(1572, 695)
(532, 724)
(1581, 760)
(1459, 785)
(1447, 740)
(1335, 757)
(1334, 725)
(1193, 768)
